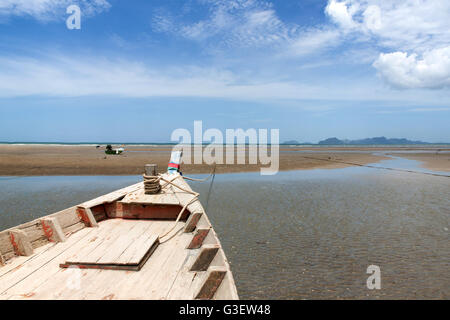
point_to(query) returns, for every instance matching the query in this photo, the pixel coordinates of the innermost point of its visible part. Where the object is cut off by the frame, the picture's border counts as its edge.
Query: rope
(212, 173)
(378, 167)
(151, 184)
(178, 219)
(210, 187)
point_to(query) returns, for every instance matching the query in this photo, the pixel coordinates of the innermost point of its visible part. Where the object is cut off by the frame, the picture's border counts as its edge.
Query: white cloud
(313, 41)
(341, 14)
(414, 35)
(236, 23)
(233, 24)
(418, 25)
(372, 18)
(45, 10)
(401, 70)
(64, 76)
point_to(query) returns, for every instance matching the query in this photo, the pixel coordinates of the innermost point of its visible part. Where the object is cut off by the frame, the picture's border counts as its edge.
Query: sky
(137, 70)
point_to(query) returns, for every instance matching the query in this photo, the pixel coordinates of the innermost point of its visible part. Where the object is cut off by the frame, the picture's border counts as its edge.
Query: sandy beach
(29, 160)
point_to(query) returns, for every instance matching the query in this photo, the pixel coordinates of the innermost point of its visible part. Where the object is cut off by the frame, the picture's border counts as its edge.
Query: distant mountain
(332, 141)
(370, 141)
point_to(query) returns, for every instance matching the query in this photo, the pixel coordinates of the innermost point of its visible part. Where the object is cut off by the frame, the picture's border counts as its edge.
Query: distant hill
(332, 141)
(370, 141)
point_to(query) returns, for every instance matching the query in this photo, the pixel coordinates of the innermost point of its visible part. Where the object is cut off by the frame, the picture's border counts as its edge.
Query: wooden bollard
(52, 229)
(87, 217)
(150, 169)
(151, 185)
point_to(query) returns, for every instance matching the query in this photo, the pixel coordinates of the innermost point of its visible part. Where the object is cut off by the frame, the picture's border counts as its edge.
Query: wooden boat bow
(124, 245)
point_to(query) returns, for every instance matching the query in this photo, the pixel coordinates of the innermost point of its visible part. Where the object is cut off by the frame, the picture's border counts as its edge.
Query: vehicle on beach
(150, 240)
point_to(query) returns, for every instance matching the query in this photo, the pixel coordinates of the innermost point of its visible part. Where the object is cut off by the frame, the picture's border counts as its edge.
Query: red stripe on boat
(174, 165)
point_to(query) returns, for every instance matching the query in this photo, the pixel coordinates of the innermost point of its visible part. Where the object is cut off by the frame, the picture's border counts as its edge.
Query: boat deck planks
(165, 197)
(121, 243)
(164, 275)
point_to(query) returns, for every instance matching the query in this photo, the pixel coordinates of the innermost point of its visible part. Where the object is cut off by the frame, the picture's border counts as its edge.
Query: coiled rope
(151, 184)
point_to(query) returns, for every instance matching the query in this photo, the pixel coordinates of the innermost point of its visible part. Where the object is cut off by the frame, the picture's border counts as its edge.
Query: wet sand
(432, 161)
(38, 160)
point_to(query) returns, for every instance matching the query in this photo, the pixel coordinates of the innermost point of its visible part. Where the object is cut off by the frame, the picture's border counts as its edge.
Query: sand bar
(29, 160)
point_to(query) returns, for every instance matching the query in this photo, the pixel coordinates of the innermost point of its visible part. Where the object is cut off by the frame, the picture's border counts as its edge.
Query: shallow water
(404, 164)
(300, 234)
(313, 234)
(26, 198)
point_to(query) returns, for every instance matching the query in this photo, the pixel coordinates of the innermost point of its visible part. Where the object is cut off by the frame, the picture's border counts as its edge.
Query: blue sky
(137, 70)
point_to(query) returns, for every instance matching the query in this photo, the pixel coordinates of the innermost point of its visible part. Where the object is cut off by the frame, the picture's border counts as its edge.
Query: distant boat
(127, 244)
(110, 150)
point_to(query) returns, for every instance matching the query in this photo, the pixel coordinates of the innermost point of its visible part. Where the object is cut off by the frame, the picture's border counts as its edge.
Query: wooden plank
(39, 242)
(67, 217)
(198, 239)
(192, 221)
(112, 244)
(113, 196)
(5, 244)
(133, 266)
(40, 267)
(204, 258)
(156, 277)
(74, 228)
(126, 247)
(212, 283)
(185, 285)
(2, 260)
(52, 229)
(19, 262)
(165, 197)
(171, 270)
(33, 230)
(21, 243)
(35, 236)
(133, 254)
(122, 243)
(97, 284)
(150, 211)
(103, 234)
